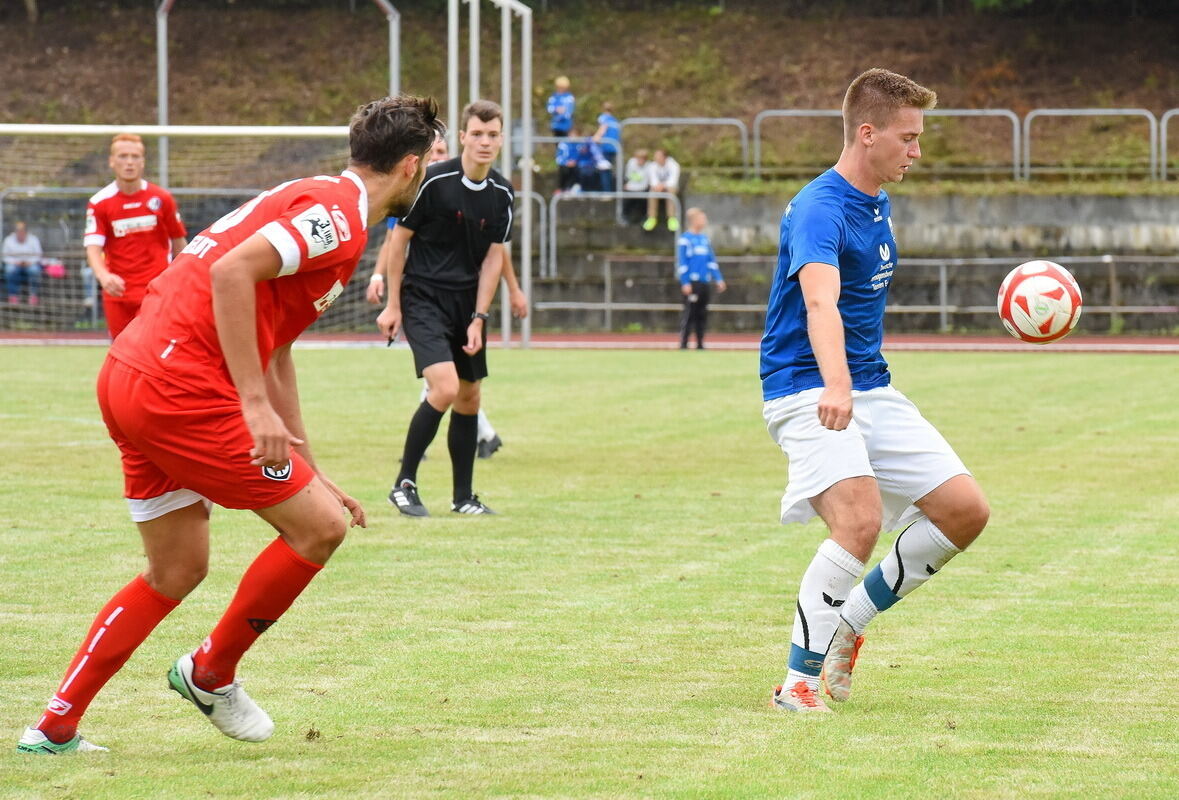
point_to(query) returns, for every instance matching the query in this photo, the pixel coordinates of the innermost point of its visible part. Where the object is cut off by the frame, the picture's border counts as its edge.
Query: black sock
(462, 441)
(422, 429)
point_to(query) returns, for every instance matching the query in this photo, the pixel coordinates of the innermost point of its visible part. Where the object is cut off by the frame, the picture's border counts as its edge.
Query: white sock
(823, 590)
(486, 432)
(918, 553)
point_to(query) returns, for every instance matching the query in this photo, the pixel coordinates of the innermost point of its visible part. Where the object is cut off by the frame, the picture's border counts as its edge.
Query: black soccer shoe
(489, 446)
(404, 497)
(472, 505)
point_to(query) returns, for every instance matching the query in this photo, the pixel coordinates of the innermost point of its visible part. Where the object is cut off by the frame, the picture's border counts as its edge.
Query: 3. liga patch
(282, 473)
(317, 229)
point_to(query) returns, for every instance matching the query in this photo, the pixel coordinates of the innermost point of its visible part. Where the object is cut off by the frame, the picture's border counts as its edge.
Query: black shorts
(435, 322)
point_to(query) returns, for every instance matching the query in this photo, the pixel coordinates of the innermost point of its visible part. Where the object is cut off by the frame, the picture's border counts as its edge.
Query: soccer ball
(1039, 302)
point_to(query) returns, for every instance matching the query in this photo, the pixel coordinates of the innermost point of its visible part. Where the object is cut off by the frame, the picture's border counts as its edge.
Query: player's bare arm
(516, 297)
(389, 320)
(820, 290)
(111, 283)
(178, 244)
(282, 388)
(489, 274)
(376, 284)
(234, 278)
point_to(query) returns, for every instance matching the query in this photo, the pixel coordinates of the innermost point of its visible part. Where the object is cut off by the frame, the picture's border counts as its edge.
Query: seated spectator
(579, 163)
(560, 107)
(21, 253)
(608, 132)
(663, 173)
(637, 180)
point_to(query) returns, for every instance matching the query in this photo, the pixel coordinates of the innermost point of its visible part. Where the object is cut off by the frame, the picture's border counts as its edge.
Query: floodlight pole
(474, 30)
(394, 18)
(162, 9)
(452, 73)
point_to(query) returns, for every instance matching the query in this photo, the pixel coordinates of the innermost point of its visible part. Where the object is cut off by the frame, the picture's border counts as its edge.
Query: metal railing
(558, 198)
(727, 121)
(1089, 112)
(1166, 118)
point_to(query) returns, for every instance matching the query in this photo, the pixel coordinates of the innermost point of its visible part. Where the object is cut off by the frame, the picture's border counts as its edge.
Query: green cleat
(38, 743)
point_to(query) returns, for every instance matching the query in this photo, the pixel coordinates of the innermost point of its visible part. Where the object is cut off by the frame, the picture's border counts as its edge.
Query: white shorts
(887, 439)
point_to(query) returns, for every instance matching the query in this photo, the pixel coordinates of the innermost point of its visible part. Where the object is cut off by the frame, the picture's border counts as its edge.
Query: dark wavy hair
(385, 131)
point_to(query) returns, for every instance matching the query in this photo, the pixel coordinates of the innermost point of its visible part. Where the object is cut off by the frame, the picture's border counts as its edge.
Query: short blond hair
(134, 138)
(876, 95)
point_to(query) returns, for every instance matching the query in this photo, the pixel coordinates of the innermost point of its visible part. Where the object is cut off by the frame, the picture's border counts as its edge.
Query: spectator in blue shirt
(609, 132)
(697, 270)
(579, 163)
(561, 107)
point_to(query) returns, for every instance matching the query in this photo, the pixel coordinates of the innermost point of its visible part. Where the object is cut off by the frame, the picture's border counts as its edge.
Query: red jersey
(319, 228)
(135, 231)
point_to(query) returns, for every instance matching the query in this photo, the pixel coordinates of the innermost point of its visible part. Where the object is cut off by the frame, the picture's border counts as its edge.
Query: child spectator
(609, 132)
(697, 270)
(561, 107)
(664, 175)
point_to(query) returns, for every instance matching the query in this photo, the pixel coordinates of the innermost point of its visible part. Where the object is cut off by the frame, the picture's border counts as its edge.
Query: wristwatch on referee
(479, 315)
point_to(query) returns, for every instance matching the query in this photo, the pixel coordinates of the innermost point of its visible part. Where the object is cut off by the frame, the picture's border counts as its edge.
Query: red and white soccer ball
(1039, 302)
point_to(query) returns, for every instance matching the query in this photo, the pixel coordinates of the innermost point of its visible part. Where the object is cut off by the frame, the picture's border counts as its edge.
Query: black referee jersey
(454, 222)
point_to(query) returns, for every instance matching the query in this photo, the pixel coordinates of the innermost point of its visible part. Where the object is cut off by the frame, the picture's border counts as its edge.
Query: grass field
(617, 630)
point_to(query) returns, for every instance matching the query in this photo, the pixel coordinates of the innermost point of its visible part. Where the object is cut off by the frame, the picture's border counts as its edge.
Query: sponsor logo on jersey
(59, 706)
(341, 224)
(136, 204)
(323, 303)
(876, 214)
(154, 203)
(282, 473)
(129, 225)
(885, 252)
(318, 231)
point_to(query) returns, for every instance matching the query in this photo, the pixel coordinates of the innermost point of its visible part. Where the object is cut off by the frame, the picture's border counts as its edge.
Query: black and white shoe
(404, 497)
(489, 446)
(472, 505)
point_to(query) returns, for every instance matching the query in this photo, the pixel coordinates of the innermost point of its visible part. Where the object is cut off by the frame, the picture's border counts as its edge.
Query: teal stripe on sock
(878, 591)
(805, 661)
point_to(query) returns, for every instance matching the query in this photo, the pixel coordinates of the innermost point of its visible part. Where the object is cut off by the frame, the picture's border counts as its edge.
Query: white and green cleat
(229, 708)
(38, 743)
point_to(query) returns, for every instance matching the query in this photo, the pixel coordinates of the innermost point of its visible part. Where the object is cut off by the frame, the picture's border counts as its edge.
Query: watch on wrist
(479, 315)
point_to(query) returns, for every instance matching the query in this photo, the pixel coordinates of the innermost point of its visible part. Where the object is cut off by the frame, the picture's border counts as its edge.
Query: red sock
(277, 576)
(122, 625)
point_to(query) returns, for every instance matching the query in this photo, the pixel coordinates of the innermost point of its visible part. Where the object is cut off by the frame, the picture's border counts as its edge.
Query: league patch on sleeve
(318, 231)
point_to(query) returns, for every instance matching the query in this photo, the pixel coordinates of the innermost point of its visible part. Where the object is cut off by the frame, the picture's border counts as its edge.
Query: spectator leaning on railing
(22, 264)
(608, 132)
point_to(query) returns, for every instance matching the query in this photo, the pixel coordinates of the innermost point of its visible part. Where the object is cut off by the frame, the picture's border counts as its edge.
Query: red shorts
(119, 312)
(172, 440)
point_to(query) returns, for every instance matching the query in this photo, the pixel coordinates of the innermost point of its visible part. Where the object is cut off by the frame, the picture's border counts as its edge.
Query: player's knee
(177, 580)
(443, 395)
(975, 515)
(333, 533)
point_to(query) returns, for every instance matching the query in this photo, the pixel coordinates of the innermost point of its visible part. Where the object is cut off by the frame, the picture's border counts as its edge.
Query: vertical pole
(394, 53)
(608, 291)
(942, 298)
(526, 164)
(473, 32)
(505, 155)
(1115, 296)
(162, 86)
(452, 74)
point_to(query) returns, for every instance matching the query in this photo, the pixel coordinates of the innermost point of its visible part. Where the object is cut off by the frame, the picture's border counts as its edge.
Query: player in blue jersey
(697, 270)
(561, 106)
(861, 456)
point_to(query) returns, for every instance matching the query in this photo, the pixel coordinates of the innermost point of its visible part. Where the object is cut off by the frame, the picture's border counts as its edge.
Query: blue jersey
(830, 222)
(560, 108)
(695, 260)
(613, 131)
(390, 222)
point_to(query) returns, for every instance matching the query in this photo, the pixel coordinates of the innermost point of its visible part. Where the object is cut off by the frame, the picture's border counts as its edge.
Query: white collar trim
(352, 176)
(475, 187)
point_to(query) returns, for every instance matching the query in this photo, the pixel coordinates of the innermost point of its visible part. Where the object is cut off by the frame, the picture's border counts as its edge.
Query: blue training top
(390, 223)
(613, 131)
(695, 260)
(560, 108)
(830, 222)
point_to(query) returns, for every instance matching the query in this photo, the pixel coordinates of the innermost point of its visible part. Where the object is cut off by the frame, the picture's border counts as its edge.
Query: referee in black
(439, 294)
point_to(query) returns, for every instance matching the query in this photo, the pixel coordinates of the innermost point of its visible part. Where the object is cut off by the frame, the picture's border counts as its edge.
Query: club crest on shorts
(282, 473)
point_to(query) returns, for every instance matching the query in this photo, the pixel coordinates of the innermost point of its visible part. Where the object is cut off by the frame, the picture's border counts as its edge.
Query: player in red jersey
(199, 394)
(133, 229)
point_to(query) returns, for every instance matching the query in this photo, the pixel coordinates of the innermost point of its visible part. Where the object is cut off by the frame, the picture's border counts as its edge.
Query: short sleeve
(814, 234)
(310, 237)
(502, 230)
(172, 220)
(97, 227)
